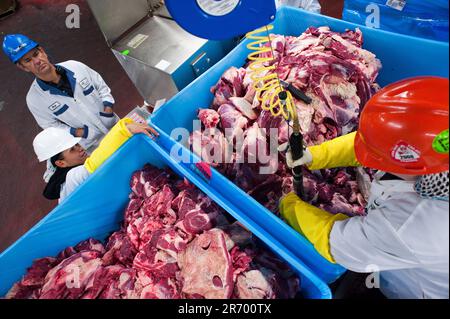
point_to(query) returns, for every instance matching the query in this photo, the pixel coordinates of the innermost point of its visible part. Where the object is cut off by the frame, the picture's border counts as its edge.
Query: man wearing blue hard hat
(68, 95)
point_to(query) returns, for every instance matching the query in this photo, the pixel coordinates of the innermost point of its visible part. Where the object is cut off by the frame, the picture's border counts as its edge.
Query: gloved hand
(312, 222)
(116, 137)
(307, 158)
(339, 152)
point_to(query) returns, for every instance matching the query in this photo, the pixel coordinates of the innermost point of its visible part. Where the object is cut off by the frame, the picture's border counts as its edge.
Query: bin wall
(96, 209)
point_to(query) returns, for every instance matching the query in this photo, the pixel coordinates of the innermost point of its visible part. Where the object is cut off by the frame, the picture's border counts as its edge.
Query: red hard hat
(404, 128)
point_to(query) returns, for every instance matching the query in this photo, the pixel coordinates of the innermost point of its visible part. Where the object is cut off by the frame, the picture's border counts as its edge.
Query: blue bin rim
(301, 269)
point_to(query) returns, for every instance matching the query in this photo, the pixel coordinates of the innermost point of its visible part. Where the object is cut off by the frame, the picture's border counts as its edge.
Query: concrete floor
(21, 202)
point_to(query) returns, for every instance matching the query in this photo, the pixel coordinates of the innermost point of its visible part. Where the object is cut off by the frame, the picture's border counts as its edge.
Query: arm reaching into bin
(73, 165)
(339, 152)
(118, 135)
(403, 131)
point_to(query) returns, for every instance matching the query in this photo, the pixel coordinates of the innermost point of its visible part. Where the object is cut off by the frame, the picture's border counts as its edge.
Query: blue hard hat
(16, 46)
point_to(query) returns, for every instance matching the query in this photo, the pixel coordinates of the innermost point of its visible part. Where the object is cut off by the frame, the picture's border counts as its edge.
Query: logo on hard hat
(17, 50)
(405, 153)
(441, 143)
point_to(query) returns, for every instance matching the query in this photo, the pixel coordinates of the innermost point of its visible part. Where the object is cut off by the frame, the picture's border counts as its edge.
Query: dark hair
(55, 158)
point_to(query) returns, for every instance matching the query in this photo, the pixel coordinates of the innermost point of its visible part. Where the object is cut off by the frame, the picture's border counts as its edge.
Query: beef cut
(338, 75)
(174, 243)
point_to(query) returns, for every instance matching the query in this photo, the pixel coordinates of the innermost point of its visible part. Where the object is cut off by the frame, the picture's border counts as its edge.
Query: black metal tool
(299, 94)
(296, 144)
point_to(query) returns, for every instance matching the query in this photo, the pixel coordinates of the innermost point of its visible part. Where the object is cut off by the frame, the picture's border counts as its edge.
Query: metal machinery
(7, 7)
(158, 55)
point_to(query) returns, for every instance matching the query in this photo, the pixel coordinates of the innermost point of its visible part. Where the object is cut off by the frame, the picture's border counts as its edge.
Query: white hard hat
(53, 141)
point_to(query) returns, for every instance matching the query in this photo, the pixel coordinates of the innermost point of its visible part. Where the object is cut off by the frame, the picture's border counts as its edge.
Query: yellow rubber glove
(314, 223)
(339, 152)
(115, 138)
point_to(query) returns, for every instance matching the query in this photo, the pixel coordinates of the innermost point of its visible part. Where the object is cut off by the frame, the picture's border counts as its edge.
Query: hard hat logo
(17, 50)
(441, 143)
(405, 153)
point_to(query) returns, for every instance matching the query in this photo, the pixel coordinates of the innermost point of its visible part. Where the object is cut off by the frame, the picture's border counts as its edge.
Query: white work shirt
(309, 5)
(54, 108)
(404, 237)
(74, 178)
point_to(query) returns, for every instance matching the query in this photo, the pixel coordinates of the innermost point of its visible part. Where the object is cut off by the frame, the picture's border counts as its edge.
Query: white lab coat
(404, 237)
(309, 5)
(52, 108)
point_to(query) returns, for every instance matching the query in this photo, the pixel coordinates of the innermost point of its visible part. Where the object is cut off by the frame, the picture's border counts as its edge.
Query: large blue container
(96, 208)
(425, 19)
(402, 56)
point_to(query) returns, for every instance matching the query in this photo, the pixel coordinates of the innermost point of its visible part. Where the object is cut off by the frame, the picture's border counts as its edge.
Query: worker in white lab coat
(403, 133)
(309, 5)
(73, 164)
(68, 95)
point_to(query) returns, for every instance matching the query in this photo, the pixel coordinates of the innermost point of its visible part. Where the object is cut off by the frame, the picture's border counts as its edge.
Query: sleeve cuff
(107, 104)
(123, 125)
(73, 132)
(86, 131)
(107, 114)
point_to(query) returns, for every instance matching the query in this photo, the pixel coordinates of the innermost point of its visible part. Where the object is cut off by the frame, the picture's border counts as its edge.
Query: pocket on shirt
(63, 109)
(89, 90)
(108, 119)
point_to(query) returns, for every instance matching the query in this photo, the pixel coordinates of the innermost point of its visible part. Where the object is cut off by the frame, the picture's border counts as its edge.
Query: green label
(125, 52)
(441, 144)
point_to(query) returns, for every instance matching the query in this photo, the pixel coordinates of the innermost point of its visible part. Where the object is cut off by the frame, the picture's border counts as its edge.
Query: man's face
(74, 156)
(36, 62)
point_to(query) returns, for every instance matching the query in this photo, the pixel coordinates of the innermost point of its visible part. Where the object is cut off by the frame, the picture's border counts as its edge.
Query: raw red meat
(119, 250)
(261, 284)
(209, 118)
(206, 267)
(111, 282)
(72, 276)
(338, 75)
(233, 122)
(174, 243)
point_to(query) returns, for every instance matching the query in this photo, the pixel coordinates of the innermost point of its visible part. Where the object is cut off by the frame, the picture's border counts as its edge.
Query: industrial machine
(7, 7)
(157, 54)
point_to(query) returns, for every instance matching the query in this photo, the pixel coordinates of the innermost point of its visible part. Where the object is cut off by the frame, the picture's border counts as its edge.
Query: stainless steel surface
(115, 17)
(149, 45)
(162, 12)
(7, 7)
(155, 4)
(201, 64)
(153, 84)
(166, 41)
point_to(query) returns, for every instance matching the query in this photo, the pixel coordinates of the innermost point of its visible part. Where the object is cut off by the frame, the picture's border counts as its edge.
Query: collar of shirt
(66, 85)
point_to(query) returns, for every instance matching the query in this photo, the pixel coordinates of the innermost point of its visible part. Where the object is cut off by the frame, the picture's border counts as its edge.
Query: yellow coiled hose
(265, 79)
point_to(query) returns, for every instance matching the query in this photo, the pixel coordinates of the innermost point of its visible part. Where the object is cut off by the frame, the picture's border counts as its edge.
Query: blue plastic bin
(402, 56)
(425, 19)
(96, 208)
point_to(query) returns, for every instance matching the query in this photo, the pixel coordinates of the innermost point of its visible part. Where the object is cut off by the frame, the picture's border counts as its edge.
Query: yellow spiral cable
(265, 79)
